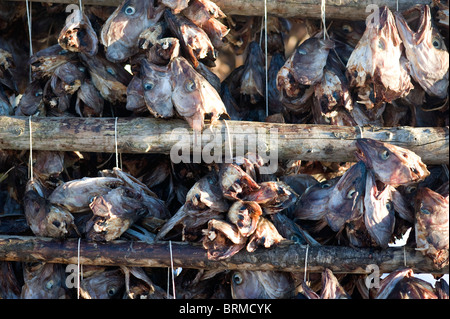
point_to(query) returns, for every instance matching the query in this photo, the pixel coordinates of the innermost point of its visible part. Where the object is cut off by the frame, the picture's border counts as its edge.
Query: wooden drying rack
(295, 141)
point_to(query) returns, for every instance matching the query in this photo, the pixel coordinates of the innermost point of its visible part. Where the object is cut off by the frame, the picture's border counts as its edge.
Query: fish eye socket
(325, 185)
(411, 189)
(190, 85)
(148, 86)
(81, 69)
(351, 193)
(384, 155)
(347, 28)
(237, 278)
(38, 93)
(63, 52)
(388, 205)
(425, 211)
(110, 70)
(111, 291)
(49, 284)
(129, 10)
(436, 42)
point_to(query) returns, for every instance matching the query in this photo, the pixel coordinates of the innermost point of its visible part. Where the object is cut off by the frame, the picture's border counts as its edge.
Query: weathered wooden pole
(150, 135)
(335, 9)
(287, 256)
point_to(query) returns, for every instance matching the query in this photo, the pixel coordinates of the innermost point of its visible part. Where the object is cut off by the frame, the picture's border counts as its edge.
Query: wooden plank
(288, 256)
(335, 9)
(150, 135)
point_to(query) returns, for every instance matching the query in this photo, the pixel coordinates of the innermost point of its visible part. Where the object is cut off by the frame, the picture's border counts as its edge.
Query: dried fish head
(222, 240)
(157, 86)
(76, 195)
(102, 284)
(193, 96)
(45, 219)
(265, 234)
(391, 164)
(261, 285)
(379, 215)
(121, 31)
(245, 216)
(114, 213)
(346, 196)
(135, 95)
(426, 52)
(273, 196)
(235, 182)
(78, 34)
(194, 42)
(313, 203)
(331, 288)
(43, 281)
(44, 62)
(431, 224)
(252, 79)
(110, 79)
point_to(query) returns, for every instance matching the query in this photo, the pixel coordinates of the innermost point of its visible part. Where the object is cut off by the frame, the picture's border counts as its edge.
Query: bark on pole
(287, 256)
(149, 135)
(335, 9)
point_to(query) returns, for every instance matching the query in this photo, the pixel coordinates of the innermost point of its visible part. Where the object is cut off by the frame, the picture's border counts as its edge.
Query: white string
(397, 5)
(360, 131)
(229, 140)
(115, 141)
(322, 15)
(265, 53)
(29, 33)
(78, 269)
(171, 268)
(31, 150)
(404, 255)
(306, 262)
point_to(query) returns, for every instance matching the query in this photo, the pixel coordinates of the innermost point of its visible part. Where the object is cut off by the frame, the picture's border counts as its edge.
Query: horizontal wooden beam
(335, 9)
(150, 135)
(287, 256)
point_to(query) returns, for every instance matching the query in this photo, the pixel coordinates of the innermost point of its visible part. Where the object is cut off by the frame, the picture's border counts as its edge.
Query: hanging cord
(116, 144)
(322, 16)
(229, 140)
(173, 276)
(404, 255)
(306, 262)
(78, 268)
(29, 32)
(31, 150)
(266, 58)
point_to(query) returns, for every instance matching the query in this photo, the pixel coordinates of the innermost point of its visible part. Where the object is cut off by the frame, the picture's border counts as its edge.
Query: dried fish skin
(252, 79)
(426, 52)
(78, 34)
(194, 41)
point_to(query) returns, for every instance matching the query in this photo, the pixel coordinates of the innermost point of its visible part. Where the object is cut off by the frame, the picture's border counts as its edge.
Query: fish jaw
(379, 215)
